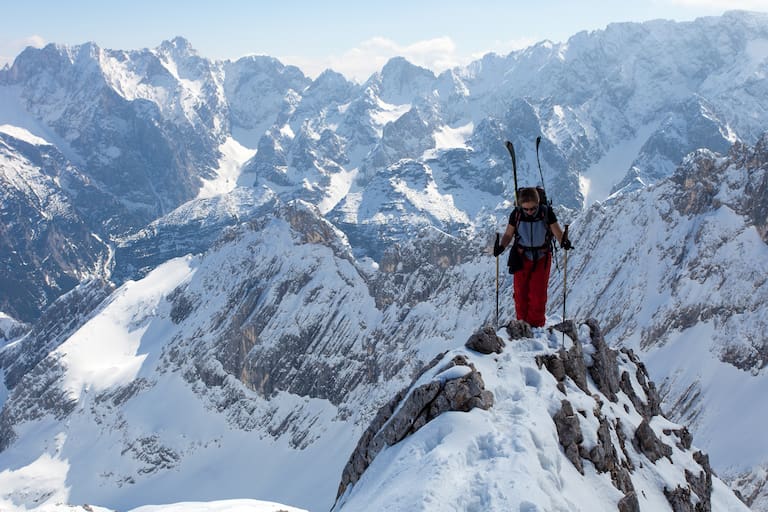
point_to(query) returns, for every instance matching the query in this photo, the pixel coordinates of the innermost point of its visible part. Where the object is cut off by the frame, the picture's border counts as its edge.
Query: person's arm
(499, 246)
(509, 235)
(557, 231)
(565, 243)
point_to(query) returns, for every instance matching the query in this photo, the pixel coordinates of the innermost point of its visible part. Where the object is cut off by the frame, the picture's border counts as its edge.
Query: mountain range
(214, 266)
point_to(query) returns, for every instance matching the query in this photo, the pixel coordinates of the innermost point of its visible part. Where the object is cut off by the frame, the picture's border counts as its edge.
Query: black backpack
(515, 260)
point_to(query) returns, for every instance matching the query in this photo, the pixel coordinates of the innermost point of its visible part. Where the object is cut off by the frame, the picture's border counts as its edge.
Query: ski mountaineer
(532, 226)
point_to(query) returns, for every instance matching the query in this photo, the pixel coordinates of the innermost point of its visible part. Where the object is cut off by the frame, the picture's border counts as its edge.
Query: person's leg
(522, 279)
(537, 292)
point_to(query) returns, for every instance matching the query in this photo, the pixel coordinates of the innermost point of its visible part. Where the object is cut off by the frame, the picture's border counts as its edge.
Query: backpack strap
(517, 213)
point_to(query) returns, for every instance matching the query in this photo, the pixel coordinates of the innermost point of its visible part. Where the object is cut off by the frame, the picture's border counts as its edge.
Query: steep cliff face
(47, 242)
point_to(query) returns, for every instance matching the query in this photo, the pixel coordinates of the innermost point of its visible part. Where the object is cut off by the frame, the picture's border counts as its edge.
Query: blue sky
(353, 37)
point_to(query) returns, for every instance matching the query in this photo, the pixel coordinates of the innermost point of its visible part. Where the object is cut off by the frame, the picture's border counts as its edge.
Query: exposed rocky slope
(46, 241)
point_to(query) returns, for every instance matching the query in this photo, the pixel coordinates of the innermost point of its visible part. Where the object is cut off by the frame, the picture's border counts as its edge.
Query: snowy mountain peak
(177, 46)
(400, 67)
(330, 83)
(267, 65)
(401, 82)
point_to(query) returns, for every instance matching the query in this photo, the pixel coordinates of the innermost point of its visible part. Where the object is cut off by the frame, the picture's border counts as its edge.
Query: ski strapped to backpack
(511, 149)
(515, 261)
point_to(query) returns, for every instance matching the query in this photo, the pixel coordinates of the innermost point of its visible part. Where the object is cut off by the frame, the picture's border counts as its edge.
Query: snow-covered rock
(675, 272)
(546, 444)
(10, 328)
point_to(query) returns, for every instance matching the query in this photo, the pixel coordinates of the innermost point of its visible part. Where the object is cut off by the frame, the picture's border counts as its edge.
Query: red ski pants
(531, 284)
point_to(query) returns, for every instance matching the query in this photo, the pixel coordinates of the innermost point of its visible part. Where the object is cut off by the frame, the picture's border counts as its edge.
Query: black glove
(497, 248)
(566, 244)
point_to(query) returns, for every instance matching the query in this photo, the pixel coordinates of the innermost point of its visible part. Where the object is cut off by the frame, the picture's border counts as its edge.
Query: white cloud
(10, 49)
(371, 55)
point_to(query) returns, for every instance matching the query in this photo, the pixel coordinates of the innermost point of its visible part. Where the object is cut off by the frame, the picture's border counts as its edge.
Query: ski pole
(565, 279)
(497, 283)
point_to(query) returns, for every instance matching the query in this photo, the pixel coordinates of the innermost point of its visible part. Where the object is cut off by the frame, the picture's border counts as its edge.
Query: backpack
(519, 247)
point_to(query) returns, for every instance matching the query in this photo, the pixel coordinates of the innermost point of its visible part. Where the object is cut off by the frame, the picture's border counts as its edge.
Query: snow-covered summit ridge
(574, 428)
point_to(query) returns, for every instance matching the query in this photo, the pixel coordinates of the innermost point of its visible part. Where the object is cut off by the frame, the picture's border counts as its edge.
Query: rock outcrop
(455, 386)
(62, 318)
(620, 377)
(486, 341)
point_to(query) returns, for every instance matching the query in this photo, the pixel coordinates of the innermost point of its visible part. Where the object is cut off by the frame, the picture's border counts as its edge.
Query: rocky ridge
(606, 414)
(610, 454)
(455, 386)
